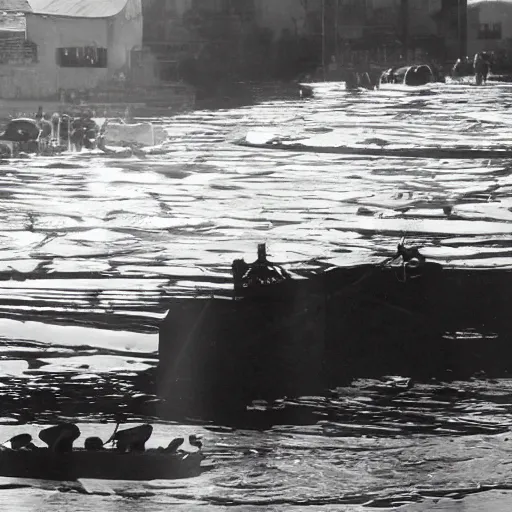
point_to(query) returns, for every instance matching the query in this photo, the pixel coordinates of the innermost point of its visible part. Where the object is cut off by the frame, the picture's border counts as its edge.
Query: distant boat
(412, 76)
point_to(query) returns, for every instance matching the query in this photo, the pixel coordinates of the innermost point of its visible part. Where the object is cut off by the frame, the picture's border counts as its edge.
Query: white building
(78, 44)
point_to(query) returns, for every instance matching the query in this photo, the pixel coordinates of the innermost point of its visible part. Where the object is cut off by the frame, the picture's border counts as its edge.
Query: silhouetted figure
(133, 439)
(60, 438)
(409, 254)
(352, 81)
(195, 441)
(46, 129)
(40, 114)
(21, 441)
(56, 128)
(77, 134)
(93, 444)
(482, 66)
(174, 445)
(261, 272)
(388, 77)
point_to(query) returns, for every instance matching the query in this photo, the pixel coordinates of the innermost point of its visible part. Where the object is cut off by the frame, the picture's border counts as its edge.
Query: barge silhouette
(290, 337)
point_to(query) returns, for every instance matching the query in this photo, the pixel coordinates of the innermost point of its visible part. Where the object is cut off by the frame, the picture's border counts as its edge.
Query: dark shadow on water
(244, 94)
(302, 338)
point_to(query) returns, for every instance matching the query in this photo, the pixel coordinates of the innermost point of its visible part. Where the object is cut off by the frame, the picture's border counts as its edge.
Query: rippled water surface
(91, 247)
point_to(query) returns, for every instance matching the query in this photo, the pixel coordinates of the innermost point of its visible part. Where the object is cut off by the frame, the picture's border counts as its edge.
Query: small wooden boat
(153, 464)
(45, 136)
(127, 460)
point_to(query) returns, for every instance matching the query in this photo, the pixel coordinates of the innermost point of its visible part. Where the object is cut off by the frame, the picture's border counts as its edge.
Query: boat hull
(392, 152)
(307, 336)
(105, 465)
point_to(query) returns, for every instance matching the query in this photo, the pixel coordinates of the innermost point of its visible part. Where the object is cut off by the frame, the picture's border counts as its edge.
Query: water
(92, 247)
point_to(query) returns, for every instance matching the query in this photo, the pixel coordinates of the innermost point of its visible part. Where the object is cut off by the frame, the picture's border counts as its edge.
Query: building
(300, 17)
(76, 45)
(208, 35)
(489, 26)
(12, 18)
(14, 49)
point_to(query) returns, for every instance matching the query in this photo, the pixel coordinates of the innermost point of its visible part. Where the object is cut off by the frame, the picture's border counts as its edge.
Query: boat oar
(22, 440)
(5, 442)
(112, 437)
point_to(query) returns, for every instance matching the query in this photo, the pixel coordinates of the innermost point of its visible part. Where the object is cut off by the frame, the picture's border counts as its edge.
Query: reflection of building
(77, 45)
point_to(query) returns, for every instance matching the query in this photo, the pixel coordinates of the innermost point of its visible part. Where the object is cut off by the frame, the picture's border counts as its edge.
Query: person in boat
(352, 81)
(462, 67)
(389, 77)
(61, 437)
(22, 442)
(132, 439)
(195, 441)
(45, 127)
(261, 272)
(173, 446)
(94, 444)
(40, 114)
(56, 125)
(77, 136)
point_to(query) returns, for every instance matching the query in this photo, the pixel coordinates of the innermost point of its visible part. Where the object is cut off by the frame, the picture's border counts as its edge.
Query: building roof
(14, 6)
(479, 2)
(78, 8)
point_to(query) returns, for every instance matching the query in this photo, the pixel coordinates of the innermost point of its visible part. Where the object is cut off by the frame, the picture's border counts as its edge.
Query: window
(87, 57)
(489, 31)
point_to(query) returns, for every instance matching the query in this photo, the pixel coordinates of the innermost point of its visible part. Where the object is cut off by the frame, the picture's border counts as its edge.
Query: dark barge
(297, 337)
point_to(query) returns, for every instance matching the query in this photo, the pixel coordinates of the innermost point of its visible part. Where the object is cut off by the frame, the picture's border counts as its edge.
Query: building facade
(490, 26)
(78, 45)
(203, 41)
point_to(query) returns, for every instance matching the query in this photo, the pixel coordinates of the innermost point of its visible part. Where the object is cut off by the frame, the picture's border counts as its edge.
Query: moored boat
(77, 130)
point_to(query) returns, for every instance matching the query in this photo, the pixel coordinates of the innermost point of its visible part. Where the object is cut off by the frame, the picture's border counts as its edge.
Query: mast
(336, 15)
(462, 9)
(404, 11)
(323, 38)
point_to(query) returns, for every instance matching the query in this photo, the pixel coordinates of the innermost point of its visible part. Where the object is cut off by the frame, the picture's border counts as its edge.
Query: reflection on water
(90, 252)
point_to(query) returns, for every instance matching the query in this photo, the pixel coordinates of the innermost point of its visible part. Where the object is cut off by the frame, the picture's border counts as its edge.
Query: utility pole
(336, 20)
(463, 27)
(404, 15)
(323, 39)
